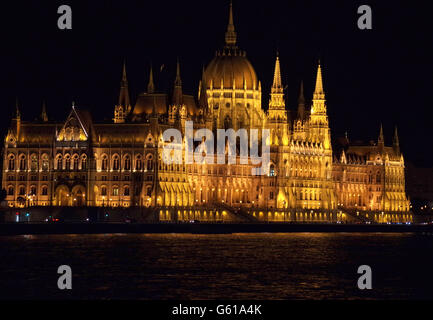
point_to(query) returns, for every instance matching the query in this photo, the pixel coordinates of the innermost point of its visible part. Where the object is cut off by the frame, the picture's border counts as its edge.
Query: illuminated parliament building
(118, 164)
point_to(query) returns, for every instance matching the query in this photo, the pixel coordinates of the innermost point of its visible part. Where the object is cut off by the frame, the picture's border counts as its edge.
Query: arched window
(149, 163)
(378, 178)
(10, 191)
(127, 163)
(104, 190)
(34, 163)
(83, 162)
(115, 191)
(44, 190)
(116, 162)
(59, 162)
(22, 190)
(104, 164)
(45, 163)
(138, 163)
(75, 162)
(126, 191)
(33, 190)
(23, 162)
(11, 164)
(68, 162)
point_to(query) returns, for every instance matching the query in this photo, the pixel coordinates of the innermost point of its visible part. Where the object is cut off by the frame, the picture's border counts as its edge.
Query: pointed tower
(319, 106)
(150, 85)
(176, 109)
(44, 116)
(395, 141)
(230, 33)
(277, 107)
(16, 120)
(17, 110)
(319, 125)
(203, 102)
(301, 103)
(123, 107)
(381, 139)
(177, 92)
(277, 114)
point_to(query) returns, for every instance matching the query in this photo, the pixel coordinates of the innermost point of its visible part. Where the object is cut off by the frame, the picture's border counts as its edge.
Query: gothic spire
(177, 92)
(396, 142)
(276, 85)
(44, 116)
(124, 91)
(301, 102)
(319, 94)
(17, 110)
(203, 93)
(381, 140)
(276, 103)
(230, 33)
(150, 86)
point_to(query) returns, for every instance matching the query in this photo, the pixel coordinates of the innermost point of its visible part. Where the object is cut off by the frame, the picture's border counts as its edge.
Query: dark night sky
(381, 75)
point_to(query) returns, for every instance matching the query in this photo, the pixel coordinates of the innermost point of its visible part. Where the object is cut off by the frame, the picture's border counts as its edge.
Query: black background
(374, 76)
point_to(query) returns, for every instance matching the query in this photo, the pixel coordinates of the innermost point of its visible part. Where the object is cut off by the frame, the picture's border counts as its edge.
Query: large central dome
(230, 65)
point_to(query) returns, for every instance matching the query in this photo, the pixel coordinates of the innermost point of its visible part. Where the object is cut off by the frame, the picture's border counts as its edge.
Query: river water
(235, 266)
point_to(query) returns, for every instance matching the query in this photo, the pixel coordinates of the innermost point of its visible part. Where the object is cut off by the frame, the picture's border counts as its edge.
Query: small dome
(228, 65)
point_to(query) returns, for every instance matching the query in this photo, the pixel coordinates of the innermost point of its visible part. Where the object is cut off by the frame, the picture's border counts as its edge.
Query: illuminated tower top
(277, 94)
(319, 94)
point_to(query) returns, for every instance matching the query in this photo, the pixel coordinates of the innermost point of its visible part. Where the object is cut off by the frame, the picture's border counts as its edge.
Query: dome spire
(230, 33)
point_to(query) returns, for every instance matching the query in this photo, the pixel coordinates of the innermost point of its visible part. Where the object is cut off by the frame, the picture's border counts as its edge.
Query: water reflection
(236, 266)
